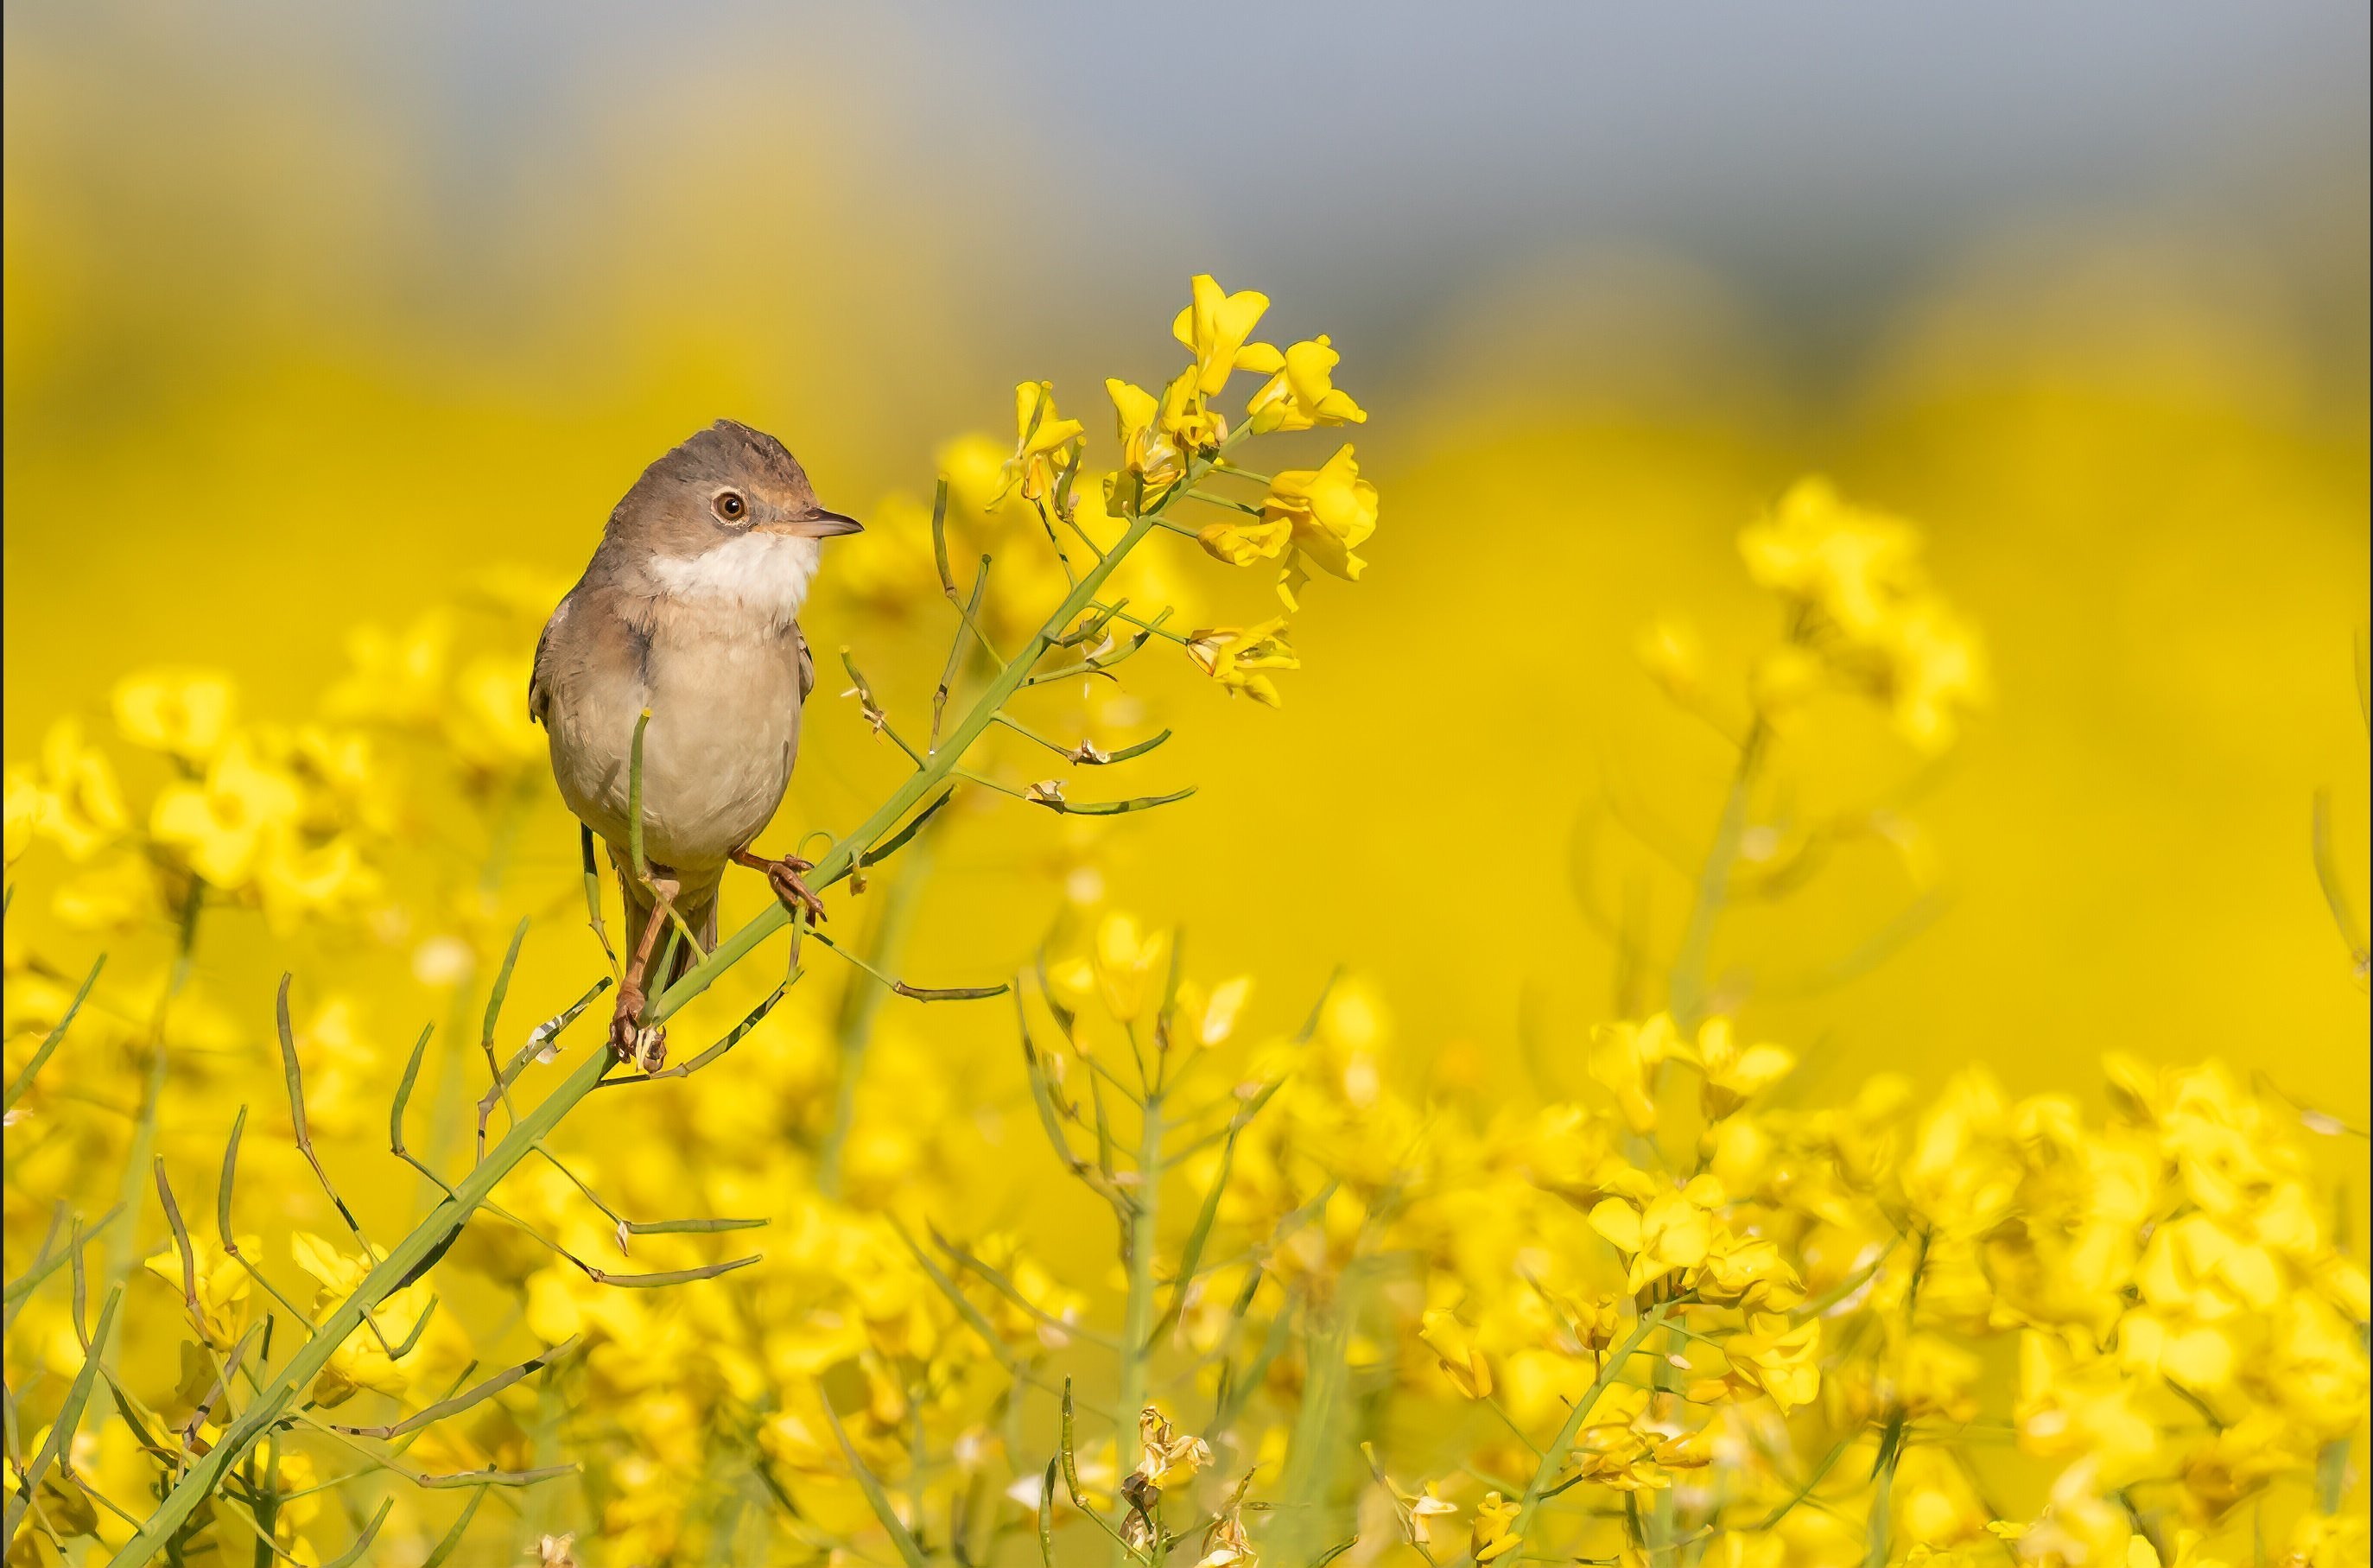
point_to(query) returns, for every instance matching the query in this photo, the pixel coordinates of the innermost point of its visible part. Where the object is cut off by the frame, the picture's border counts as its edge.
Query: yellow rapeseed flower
(1127, 960)
(1454, 1345)
(1302, 394)
(183, 713)
(1149, 452)
(222, 825)
(75, 800)
(1045, 445)
(362, 1360)
(1733, 1074)
(1489, 1540)
(1236, 656)
(222, 1285)
(1332, 511)
(1215, 327)
(1673, 1231)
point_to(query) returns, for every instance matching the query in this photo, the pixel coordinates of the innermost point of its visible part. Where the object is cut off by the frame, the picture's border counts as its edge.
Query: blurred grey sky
(1821, 160)
(1823, 149)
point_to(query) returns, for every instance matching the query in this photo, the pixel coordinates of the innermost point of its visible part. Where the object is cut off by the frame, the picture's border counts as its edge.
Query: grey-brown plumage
(689, 608)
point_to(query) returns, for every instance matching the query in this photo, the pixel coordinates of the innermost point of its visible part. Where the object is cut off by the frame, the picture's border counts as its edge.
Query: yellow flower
(223, 823)
(487, 724)
(1233, 656)
(1612, 1455)
(2196, 1266)
(296, 883)
(1332, 511)
(1855, 577)
(363, 1361)
(1215, 327)
(24, 811)
(1303, 393)
(2072, 1401)
(348, 783)
(1673, 1232)
(1207, 1020)
(1596, 1321)
(2328, 1540)
(1783, 1361)
(1453, 1344)
(183, 713)
(2318, 1366)
(1934, 1377)
(1489, 1540)
(1127, 959)
(395, 679)
(1191, 422)
(1935, 1507)
(64, 1510)
(1242, 541)
(1688, 1451)
(1147, 448)
(75, 800)
(1746, 1271)
(222, 1283)
(1046, 446)
(1935, 669)
(1734, 1074)
(1623, 1058)
(1846, 561)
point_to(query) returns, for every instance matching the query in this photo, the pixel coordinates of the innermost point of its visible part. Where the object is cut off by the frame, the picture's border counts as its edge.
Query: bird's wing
(539, 680)
(807, 661)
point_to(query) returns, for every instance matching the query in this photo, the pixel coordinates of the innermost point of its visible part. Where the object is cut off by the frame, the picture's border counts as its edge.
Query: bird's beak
(816, 525)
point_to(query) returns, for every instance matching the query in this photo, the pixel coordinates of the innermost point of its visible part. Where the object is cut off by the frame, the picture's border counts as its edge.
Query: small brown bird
(690, 608)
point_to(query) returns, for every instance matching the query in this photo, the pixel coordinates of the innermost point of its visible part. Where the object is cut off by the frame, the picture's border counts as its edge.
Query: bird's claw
(630, 1039)
(651, 1048)
(783, 876)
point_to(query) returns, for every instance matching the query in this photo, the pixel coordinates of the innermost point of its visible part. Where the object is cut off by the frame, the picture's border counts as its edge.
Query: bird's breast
(718, 753)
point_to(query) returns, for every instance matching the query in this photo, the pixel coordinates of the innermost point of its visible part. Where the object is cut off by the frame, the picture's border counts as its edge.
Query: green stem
(1553, 1457)
(1686, 993)
(1136, 1321)
(1890, 1452)
(1316, 1440)
(270, 1407)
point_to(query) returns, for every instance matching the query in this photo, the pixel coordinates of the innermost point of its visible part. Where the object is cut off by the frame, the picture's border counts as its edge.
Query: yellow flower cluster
(1174, 447)
(1862, 615)
(284, 819)
(1133, 1269)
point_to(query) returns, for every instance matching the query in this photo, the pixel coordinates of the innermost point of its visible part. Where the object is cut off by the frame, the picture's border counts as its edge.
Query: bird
(689, 611)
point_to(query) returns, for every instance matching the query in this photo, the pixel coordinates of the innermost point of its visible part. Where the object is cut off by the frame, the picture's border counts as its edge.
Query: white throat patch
(763, 574)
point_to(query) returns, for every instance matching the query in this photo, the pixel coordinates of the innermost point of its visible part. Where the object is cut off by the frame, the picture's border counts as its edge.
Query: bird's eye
(731, 505)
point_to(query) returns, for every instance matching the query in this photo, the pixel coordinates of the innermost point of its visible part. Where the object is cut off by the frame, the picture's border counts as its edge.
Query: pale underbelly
(716, 757)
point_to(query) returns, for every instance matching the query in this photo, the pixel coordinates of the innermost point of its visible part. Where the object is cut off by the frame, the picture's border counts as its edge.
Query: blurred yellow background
(307, 321)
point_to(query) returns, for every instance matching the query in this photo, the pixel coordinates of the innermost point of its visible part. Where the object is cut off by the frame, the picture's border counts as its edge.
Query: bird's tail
(699, 912)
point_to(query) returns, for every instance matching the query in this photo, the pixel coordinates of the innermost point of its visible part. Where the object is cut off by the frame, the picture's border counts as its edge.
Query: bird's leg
(647, 1049)
(783, 876)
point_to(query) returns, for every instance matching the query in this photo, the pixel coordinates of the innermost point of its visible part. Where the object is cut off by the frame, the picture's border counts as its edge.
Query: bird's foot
(783, 876)
(631, 1040)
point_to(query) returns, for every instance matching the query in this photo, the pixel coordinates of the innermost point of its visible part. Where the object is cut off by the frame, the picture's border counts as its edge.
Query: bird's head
(728, 514)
